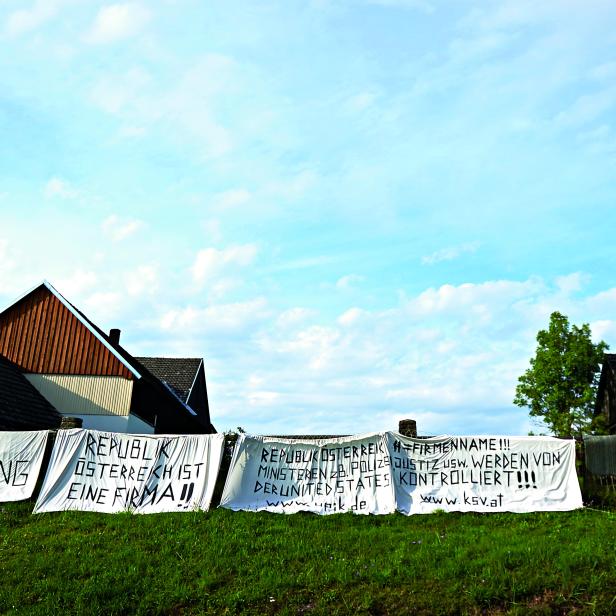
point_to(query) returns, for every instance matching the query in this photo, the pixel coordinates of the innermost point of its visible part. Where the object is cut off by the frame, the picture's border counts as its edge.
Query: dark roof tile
(178, 373)
(22, 407)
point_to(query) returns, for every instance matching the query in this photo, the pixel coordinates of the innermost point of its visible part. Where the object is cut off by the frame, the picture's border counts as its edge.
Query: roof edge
(184, 404)
(195, 379)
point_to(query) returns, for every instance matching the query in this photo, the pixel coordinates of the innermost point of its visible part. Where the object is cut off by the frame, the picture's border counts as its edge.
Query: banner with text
(107, 472)
(21, 456)
(322, 476)
(484, 473)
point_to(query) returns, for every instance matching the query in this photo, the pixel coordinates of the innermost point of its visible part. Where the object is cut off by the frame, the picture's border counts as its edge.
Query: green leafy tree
(561, 384)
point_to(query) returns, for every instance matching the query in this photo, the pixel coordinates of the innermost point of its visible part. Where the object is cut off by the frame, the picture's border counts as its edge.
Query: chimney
(114, 336)
(408, 427)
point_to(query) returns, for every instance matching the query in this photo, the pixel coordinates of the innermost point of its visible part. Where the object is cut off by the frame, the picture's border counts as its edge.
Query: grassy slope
(225, 562)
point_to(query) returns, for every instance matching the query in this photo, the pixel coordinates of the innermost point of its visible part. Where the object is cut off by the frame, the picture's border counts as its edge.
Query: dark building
(606, 394)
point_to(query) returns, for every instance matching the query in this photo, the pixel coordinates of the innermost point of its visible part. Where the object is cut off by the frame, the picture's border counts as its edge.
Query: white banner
(378, 473)
(108, 472)
(21, 455)
(484, 473)
(322, 476)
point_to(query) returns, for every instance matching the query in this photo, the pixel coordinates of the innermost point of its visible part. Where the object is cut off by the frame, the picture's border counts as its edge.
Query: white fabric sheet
(484, 473)
(108, 472)
(322, 476)
(21, 455)
(378, 473)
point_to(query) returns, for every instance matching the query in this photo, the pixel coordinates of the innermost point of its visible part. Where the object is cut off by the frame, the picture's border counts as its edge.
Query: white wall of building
(111, 423)
(87, 395)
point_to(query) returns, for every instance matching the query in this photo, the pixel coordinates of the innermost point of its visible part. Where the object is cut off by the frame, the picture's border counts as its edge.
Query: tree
(561, 384)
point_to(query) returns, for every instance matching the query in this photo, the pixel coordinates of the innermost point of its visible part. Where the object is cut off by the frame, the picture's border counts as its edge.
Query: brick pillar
(408, 427)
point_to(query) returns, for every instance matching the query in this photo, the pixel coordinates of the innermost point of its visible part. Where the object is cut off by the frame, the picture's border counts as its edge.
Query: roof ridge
(166, 357)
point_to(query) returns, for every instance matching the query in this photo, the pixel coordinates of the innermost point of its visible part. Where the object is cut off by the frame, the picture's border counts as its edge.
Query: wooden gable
(40, 334)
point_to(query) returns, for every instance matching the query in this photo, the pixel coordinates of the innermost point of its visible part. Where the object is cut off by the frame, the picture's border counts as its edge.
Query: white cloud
(142, 281)
(349, 281)
(316, 344)
(422, 5)
(304, 263)
(194, 103)
(604, 72)
(213, 230)
(8, 279)
(214, 103)
(131, 132)
(602, 303)
(587, 108)
(350, 317)
(508, 67)
(220, 287)
(604, 329)
(118, 229)
(449, 357)
(449, 300)
(293, 317)
(26, 20)
(361, 102)
(211, 262)
(77, 283)
(294, 186)
(219, 319)
(115, 93)
(450, 253)
(572, 282)
(231, 199)
(57, 187)
(104, 307)
(115, 22)
(262, 398)
(4, 251)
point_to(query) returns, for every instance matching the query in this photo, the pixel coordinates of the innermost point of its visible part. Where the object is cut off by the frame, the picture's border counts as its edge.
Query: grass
(223, 562)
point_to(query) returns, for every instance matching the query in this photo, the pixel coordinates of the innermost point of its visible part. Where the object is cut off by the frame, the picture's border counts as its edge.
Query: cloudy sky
(356, 211)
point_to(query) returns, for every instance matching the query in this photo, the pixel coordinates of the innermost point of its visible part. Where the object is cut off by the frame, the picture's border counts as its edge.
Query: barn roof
(22, 407)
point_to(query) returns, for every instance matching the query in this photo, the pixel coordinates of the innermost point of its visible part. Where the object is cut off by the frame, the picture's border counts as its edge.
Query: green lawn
(225, 563)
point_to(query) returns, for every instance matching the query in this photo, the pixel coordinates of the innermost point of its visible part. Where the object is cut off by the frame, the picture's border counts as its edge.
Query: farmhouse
(59, 363)
(606, 394)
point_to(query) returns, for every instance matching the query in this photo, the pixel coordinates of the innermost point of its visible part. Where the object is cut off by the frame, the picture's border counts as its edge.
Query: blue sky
(356, 211)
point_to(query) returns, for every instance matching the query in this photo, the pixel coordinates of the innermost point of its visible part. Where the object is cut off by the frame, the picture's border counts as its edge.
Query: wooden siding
(85, 395)
(41, 335)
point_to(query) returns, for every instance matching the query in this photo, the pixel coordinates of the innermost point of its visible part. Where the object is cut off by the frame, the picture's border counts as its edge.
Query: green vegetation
(560, 386)
(223, 562)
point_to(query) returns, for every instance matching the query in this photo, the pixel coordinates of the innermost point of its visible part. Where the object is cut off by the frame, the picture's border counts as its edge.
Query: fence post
(583, 470)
